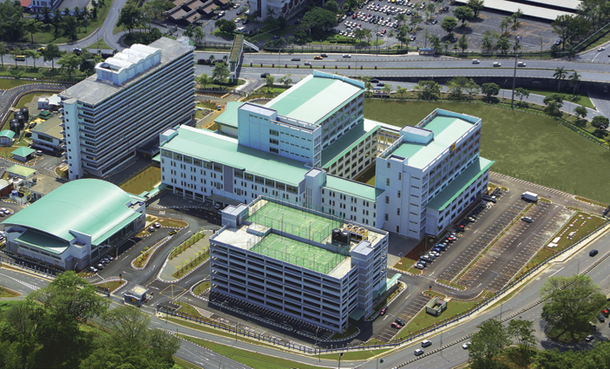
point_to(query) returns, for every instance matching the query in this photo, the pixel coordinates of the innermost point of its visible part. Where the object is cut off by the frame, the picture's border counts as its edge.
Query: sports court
(290, 220)
(298, 253)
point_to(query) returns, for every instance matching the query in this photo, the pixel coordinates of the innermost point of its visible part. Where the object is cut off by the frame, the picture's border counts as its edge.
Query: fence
(398, 342)
(30, 266)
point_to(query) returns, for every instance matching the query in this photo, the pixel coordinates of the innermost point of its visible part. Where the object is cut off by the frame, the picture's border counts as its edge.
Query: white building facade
(126, 104)
(319, 279)
(425, 175)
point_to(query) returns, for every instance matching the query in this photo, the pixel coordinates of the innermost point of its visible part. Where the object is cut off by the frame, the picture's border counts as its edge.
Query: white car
(466, 346)
(601, 48)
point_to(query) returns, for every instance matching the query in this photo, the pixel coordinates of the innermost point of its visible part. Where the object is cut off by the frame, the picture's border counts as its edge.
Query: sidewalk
(173, 265)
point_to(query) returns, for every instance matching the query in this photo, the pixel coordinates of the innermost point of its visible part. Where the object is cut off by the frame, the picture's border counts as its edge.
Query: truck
(529, 196)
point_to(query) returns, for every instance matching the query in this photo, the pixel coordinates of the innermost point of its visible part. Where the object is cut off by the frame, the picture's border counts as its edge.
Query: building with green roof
(311, 146)
(75, 224)
(6, 137)
(299, 262)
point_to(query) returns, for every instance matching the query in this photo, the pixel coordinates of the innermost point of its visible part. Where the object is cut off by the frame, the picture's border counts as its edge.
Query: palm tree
(560, 73)
(401, 90)
(575, 82)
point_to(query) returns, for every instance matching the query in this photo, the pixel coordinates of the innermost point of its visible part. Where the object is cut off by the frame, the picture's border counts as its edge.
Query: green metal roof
(345, 143)
(7, 133)
(23, 151)
(458, 185)
(44, 241)
(90, 206)
(353, 188)
(314, 97)
(446, 131)
(229, 116)
(220, 149)
(21, 171)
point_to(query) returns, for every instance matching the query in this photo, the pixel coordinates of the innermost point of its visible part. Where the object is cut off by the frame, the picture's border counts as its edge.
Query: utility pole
(512, 99)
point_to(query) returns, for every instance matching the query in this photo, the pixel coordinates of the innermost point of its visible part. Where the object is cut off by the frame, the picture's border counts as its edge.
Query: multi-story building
(299, 262)
(424, 175)
(134, 96)
(276, 8)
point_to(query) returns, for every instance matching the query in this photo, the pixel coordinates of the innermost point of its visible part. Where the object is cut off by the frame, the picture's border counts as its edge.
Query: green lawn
(188, 309)
(424, 320)
(530, 147)
(567, 95)
(143, 181)
(201, 287)
(5, 292)
(112, 285)
(45, 38)
(6, 84)
(253, 359)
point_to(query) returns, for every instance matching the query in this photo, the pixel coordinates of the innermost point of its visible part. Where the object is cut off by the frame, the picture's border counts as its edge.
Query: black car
(374, 80)
(593, 252)
(264, 75)
(601, 318)
(399, 321)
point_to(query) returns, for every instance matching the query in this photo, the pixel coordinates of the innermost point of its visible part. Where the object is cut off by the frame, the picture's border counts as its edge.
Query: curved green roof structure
(89, 206)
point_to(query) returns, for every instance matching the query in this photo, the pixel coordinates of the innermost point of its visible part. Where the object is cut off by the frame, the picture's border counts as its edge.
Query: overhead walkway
(237, 51)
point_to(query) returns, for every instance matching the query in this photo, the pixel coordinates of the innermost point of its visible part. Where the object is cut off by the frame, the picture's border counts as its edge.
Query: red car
(605, 312)
(396, 325)
(383, 311)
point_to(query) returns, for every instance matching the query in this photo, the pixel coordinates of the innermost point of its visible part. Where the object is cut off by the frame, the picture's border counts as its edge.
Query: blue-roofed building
(310, 144)
(75, 224)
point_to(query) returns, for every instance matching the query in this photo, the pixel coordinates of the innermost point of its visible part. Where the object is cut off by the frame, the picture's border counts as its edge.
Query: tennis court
(297, 222)
(298, 253)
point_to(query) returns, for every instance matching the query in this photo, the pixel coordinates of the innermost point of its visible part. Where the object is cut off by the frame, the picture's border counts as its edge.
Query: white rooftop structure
(127, 64)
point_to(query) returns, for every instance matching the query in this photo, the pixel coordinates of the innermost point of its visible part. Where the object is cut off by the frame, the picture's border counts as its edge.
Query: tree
(463, 43)
(448, 24)
(564, 26)
(3, 51)
(16, 51)
(220, 72)
(401, 90)
(70, 26)
(21, 329)
(69, 62)
(506, 21)
(574, 81)
(225, 25)
(403, 36)
(314, 23)
(490, 89)
(401, 18)
(581, 113)
(463, 13)
(553, 103)
(12, 26)
(487, 344)
(488, 40)
(428, 90)
(601, 126)
(503, 44)
(130, 16)
(570, 303)
(67, 300)
(331, 5)
(359, 34)
(476, 6)
(515, 18)
(269, 81)
(198, 35)
(436, 43)
(50, 53)
(32, 26)
(459, 85)
(521, 93)
(560, 73)
(523, 332)
(387, 88)
(131, 344)
(286, 81)
(32, 54)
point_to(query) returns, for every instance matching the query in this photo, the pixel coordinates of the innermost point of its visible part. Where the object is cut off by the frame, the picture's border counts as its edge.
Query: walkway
(173, 265)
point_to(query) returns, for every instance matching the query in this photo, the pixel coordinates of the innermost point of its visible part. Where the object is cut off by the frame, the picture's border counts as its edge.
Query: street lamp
(512, 99)
(380, 361)
(317, 343)
(341, 354)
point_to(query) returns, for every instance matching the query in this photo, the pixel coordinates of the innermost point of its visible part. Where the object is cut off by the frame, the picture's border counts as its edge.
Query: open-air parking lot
(405, 315)
(478, 236)
(380, 17)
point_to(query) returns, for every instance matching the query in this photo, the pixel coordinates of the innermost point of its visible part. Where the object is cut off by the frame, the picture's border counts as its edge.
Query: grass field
(567, 94)
(201, 287)
(143, 181)
(6, 84)
(530, 147)
(113, 285)
(424, 320)
(5, 292)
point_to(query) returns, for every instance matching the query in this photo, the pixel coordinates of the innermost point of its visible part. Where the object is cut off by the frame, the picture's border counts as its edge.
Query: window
(387, 181)
(398, 195)
(273, 132)
(398, 211)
